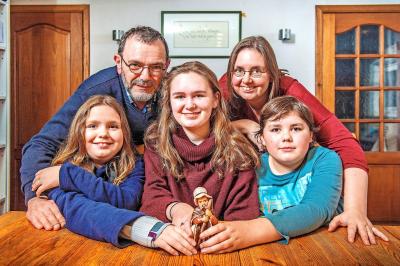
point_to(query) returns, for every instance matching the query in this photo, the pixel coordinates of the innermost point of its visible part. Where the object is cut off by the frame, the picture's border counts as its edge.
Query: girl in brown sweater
(193, 144)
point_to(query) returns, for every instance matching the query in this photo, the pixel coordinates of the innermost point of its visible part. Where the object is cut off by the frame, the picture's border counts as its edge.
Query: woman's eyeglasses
(254, 73)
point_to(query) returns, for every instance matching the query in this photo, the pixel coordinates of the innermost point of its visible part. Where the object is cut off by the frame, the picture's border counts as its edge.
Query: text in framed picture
(201, 33)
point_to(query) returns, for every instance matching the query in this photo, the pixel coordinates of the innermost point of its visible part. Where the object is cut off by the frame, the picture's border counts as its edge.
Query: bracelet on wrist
(146, 229)
(173, 204)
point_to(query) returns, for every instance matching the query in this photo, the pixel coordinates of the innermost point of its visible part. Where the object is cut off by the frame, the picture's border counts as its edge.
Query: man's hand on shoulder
(44, 213)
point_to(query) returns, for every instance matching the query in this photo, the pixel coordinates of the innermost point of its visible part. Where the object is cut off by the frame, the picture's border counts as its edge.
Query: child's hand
(45, 179)
(175, 240)
(224, 237)
(181, 216)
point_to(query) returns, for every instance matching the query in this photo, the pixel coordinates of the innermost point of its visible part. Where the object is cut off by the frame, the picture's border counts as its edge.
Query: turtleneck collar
(189, 151)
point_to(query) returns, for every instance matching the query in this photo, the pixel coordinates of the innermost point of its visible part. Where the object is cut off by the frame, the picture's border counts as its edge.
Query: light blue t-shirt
(301, 201)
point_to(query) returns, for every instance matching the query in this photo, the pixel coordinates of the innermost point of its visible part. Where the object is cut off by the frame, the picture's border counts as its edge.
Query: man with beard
(141, 63)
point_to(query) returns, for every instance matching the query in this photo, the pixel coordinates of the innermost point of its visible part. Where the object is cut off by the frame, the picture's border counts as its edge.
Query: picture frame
(201, 34)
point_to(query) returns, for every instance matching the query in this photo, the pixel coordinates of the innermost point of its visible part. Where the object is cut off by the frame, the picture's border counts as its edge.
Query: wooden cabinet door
(49, 59)
(358, 78)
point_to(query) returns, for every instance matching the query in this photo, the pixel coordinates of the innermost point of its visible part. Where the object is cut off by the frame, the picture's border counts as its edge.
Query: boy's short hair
(280, 107)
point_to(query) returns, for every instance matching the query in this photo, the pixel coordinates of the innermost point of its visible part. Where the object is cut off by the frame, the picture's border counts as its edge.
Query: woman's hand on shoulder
(357, 222)
(175, 240)
(45, 179)
(248, 128)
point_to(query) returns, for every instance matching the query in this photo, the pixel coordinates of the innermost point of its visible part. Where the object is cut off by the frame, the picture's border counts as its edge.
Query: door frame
(384, 176)
(325, 49)
(80, 9)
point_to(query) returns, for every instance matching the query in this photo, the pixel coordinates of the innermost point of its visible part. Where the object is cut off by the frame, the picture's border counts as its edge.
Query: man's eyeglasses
(137, 68)
(254, 73)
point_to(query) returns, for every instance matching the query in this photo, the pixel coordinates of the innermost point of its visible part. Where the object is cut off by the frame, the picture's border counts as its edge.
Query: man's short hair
(143, 34)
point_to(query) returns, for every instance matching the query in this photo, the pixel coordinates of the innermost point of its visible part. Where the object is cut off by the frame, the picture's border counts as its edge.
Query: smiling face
(192, 102)
(103, 134)
(252, 90)
(142, 86)
(287, 141)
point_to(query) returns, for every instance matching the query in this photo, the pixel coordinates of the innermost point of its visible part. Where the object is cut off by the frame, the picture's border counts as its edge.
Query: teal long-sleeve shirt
(301, 201)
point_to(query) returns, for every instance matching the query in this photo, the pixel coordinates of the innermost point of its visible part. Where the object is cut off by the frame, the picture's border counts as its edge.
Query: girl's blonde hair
(233, 152)
(74, 148)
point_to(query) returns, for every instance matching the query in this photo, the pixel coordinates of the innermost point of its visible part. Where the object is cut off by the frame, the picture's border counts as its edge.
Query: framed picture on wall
(201, 34)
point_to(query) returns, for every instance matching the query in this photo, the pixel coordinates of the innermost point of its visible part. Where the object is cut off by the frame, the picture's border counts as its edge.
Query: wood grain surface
(22, 244)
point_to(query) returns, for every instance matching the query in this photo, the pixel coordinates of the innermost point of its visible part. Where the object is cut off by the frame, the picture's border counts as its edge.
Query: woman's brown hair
(233, 152)
(74, 149)
(261, 45)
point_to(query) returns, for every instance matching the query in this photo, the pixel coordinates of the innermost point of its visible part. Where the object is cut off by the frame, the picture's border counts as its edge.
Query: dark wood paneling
(384, 193)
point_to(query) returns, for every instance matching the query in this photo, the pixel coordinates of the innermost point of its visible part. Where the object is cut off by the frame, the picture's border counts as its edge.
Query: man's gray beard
(137, 96)
(140, 96)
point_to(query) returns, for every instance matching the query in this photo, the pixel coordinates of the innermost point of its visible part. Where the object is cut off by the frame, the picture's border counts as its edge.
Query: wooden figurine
(202, 217)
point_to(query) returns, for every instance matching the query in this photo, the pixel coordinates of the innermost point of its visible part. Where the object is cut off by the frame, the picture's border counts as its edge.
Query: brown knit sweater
(234, 195)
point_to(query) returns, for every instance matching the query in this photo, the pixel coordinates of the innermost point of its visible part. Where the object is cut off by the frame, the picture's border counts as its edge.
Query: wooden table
(21, 244)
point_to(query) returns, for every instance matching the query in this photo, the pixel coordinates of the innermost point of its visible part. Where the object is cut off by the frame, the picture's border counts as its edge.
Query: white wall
(263, 17)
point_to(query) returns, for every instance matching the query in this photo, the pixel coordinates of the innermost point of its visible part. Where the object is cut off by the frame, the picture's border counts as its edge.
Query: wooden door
(358, 78)
(49, 59)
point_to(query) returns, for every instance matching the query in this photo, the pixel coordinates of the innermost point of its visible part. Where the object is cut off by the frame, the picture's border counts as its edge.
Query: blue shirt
(301, 201)
(94, 207)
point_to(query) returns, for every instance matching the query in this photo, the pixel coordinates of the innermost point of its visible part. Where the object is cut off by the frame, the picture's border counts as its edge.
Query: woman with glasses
(252, 79)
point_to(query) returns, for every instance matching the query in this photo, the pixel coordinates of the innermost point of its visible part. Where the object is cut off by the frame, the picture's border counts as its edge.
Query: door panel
(50, 51)
(384, 189)
(358, 78)
(50, 45)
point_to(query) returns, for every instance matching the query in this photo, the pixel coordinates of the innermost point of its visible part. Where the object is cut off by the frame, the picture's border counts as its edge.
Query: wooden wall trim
(44, 8)
(318, 52)
(358, 8)
(86, 41)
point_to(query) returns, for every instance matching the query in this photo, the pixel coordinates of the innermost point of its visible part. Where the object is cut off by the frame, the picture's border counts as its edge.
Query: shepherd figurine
(202, 217)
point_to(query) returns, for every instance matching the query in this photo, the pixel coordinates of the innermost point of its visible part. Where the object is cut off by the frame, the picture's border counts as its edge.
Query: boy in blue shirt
(299, 184)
